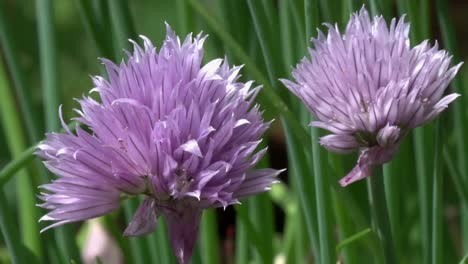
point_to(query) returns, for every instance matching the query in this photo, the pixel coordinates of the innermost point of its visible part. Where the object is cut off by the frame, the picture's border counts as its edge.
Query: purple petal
(144, 220)
(340, 143)
(389, 135)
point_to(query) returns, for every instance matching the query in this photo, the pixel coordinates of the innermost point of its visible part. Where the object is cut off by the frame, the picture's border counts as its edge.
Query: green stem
(459, 107)
(18, 77)
(380, 214)
(323, 199)
(9, 231)
(122, 25)
(48, 63)
(350, 240)
(93, 23)
(163, 242)
(242, 249)
(437, 209)
(209, 246)
(50, 90)
(303, 183)
(27, 201)
(252, 233)
(15, 165)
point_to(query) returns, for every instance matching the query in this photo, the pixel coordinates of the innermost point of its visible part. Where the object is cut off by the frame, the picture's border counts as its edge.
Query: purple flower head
(181, 134)
(369, 88)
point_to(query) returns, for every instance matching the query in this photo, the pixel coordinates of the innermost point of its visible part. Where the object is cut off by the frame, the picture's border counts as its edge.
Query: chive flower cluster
(180, 134)
(369, 88)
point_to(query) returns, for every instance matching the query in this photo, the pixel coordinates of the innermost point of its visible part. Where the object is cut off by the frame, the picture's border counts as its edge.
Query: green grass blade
(350, 240)
(421, 137)
(163, 242)
(48, 63)
(303, 184)
(459, 107)
(437, 199)
(15, 165)
(9, 232)
(252, 233)
(209, 246)
(242, 242)
(183, 16)
(96, 28)
(319, 160)
(461, 190)
(262, 27)
(19, 82)
(346, 230)
(323, 199)
(50, 90)
(121, 24)
(380, 215)
(27, 201)
(464, 260)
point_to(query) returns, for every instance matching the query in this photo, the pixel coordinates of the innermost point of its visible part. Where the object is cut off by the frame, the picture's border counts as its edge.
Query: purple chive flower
(369, 88)
(181, 134)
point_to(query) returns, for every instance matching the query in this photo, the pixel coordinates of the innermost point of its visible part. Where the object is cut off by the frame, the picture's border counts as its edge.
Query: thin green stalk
(311, 15)
(93, 23)
(350, 240)
(209, 237)
(437, 198)
(381, 7)
(261, 30)
(464, 260)
(50, 90)
(424, 189)
(252, 233)
(286, 36)
(122, 25)
(14, 134)
(269, 98)
(323, 199)
(22, 159)
(242, 242)
(422, 143)
(319, 159)
(18, 77)
(454, 175)
(459, 107)
(8, 228)
(304, 185)
(183, 16)
(163, 242)
(261, 213)
(380, 215)
(346, 231)
(15, 165)
(48, 63)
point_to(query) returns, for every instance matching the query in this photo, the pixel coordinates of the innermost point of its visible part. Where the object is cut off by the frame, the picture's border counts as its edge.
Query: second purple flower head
(369, 88)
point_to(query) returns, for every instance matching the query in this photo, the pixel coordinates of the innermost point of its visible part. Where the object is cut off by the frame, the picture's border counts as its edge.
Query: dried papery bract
(182, 134)
(369, 88)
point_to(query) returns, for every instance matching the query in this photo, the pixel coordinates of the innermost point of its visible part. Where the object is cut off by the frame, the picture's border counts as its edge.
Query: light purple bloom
(369, 88)
(181, 134)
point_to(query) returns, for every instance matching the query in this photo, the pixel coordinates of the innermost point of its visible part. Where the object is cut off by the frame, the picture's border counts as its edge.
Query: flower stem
(380, 215)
